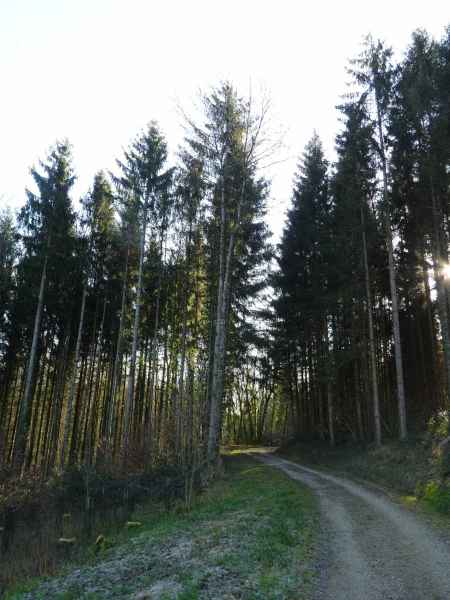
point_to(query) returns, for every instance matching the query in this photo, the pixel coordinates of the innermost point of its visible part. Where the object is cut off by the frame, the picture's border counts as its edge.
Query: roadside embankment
(250, 535)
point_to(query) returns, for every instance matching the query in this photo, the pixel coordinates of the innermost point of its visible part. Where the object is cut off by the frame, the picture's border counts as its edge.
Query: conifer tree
(229, 146)
(146, 185)
(376, 74)
(47, 222)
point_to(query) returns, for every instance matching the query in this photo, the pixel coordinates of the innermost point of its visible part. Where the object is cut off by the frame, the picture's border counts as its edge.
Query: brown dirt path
(377, 550)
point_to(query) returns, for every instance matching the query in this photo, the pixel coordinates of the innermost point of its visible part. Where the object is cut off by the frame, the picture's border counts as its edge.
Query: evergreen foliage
(158, 318)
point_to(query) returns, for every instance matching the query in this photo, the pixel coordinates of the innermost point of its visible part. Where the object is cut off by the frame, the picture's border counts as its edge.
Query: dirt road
(376, 550)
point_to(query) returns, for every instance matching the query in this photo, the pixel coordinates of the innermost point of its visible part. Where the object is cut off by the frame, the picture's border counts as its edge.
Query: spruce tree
(47, 227)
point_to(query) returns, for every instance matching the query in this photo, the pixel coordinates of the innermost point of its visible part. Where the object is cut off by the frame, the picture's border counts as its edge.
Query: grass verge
(408, 469)
(250, 536)
(395, 465)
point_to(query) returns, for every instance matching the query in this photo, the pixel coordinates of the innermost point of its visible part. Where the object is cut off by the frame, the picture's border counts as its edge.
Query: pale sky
(97, 71)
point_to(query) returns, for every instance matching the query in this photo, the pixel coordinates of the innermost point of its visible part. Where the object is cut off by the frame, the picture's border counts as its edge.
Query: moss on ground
(251, 536)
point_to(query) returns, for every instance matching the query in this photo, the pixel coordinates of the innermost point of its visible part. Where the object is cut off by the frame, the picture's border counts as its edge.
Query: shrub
(437, 495)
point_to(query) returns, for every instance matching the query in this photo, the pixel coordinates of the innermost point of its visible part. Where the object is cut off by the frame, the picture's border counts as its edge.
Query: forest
(156, 318)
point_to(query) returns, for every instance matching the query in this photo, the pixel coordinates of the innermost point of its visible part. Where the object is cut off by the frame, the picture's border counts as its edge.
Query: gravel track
(375, 549)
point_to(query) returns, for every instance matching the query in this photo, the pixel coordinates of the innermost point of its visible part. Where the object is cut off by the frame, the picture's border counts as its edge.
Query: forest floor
(251, 536)
(373, 548)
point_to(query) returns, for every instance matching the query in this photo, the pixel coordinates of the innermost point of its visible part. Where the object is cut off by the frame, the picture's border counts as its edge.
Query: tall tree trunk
(118, 355)
(219, 343)
(223, 298)
(403, 432)
(20, 445)
(73, 386)
(97, 338)
(36, 410)
(59, 399)
(330, 398)
(152, 400)
(137, 312)
(181, 378)
(359, 417)
(442, 300)
(372, 350)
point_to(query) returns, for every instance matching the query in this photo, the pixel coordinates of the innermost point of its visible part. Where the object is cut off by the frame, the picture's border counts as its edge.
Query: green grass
(437, 496)
(408, 469)
(400, 466)
(250, 535)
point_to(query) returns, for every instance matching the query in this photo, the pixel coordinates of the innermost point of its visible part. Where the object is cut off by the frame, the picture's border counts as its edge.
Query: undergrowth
(418, 468)
(249, 535)
(44, 522)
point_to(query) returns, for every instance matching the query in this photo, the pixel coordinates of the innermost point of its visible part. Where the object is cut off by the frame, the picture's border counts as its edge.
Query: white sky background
(96, 71)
